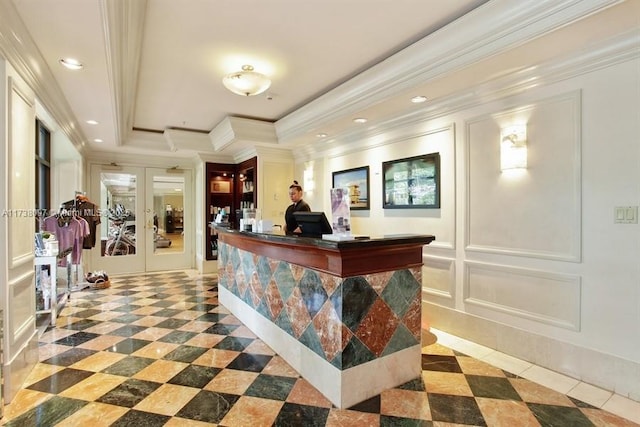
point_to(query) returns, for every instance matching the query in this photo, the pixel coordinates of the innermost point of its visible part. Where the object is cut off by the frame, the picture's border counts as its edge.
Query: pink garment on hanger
(69, 236)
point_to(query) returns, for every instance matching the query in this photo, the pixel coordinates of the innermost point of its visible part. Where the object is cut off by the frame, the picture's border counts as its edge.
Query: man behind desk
(297, 205)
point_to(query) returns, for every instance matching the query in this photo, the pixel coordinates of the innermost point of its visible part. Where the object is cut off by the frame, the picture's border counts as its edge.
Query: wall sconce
(513, 147)
(309, 182)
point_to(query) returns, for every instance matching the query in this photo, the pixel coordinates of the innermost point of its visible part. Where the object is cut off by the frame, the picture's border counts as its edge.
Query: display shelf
(231, 187)
(58, 297)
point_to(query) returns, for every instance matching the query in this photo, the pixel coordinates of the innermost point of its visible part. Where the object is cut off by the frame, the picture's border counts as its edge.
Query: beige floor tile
(196, 326)
(105, 327)
(102, 342)
(304, 393)
(152, 334)
(231, 381)
(98, 361)
(186, 315)
(446, 383)
(168, 399)
(277, 366)
(146, 310)
(253, 411)
(149, 321)
(607, 419)
(473, 366)
(205, 340)
(183, 422)
(216, 358)
(506, 413)
(437, 349)
(161, 371)
(405, 403)
(345, 417)
(536, 393)
(93, 387)
(259, 347)
(243, 332)
(94, 414)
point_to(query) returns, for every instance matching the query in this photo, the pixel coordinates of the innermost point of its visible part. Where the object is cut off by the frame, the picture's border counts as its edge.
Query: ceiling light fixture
(322, 135)
(246, 82)
(98, 140)
(92, 122)
(71, 64)
(360, 120)
(418, 99)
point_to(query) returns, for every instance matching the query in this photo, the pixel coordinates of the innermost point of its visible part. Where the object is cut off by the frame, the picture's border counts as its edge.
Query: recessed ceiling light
(92, 122)
(70, 63)
(322, 135)
(360, 120)
(418, 99)
(98, 140)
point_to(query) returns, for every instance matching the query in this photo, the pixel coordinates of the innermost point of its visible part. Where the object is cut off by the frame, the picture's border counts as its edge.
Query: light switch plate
(625, 215)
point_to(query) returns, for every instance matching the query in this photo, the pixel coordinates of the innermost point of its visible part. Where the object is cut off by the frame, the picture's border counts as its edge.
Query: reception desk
(345, 314)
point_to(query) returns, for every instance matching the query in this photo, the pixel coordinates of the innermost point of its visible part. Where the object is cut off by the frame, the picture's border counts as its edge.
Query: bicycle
(122, 240)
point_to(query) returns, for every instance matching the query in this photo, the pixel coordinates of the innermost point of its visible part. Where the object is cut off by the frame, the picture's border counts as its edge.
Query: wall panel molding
(540, 296)
(20, 174)
(439, 279)
(517, 208)
(22, 316)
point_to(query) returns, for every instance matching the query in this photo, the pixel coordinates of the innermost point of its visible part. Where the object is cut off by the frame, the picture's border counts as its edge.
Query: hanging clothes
(83, 208)
(70, 232)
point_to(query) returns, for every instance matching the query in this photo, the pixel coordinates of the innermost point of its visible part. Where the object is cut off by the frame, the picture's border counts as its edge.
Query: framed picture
(357, 181)
(413, 182)
(220, 186)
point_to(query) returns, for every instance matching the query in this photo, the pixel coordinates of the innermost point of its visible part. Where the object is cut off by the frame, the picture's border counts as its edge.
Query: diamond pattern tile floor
(158, 350)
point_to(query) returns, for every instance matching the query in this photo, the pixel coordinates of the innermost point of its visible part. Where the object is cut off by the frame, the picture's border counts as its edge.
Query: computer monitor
(313, 224)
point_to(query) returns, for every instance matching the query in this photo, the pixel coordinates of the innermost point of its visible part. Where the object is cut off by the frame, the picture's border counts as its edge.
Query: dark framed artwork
(357, 181)
(413, 182)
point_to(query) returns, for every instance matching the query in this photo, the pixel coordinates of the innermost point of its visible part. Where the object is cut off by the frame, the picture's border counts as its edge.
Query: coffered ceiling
(153, 68)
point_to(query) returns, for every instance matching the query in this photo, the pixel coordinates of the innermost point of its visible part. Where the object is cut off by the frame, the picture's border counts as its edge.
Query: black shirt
(300, 206)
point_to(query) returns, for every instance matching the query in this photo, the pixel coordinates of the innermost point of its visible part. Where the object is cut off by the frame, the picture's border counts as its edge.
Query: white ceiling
(153, 68)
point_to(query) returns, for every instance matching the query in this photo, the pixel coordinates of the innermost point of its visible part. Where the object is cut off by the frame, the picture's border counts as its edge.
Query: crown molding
(18, 48)
(494, 27)
(621, 48)
(215, 158)
(124, 158)
(240, 132)
(178, 139)
(123, 26)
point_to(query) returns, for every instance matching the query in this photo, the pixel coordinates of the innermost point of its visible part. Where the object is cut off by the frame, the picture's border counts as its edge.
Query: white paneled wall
(17, 288)
(533, 212)
(529, 263)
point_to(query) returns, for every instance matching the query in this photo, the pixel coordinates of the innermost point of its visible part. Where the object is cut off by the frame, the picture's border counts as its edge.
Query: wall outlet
(625, 215)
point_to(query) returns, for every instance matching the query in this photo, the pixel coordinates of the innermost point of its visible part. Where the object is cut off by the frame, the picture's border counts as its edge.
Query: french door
(146, 219)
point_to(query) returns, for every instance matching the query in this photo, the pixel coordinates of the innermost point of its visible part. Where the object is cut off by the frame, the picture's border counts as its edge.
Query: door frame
(143, 260)
(158, 261)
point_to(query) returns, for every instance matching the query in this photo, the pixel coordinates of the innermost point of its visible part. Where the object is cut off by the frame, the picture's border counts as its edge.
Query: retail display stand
(56, 299)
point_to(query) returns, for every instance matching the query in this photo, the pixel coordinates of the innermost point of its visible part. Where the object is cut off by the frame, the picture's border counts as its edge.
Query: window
(43, 168)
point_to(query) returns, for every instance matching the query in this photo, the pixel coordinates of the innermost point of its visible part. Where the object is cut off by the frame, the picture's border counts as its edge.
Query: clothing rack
(74, 207)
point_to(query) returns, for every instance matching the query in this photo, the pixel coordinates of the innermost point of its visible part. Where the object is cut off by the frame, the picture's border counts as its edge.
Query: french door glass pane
(119, 236)
(168, 213)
